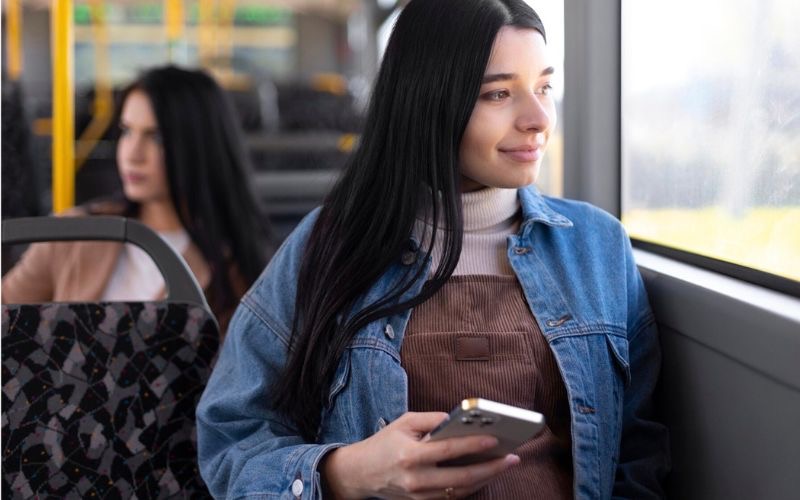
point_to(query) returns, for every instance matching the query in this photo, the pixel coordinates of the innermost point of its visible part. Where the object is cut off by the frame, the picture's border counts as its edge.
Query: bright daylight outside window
(711, 128)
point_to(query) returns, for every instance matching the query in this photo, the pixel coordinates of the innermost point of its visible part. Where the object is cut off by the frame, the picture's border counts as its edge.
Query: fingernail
(512, 459)
(489, 442)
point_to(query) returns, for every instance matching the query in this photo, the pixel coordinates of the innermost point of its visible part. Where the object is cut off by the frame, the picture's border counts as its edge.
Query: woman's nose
(533, 115)
(132, 148)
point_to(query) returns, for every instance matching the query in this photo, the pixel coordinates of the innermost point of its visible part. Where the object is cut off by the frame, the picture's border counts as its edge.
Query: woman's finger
(420, 423)
(467, 478)
(433, 452)
(452, 492)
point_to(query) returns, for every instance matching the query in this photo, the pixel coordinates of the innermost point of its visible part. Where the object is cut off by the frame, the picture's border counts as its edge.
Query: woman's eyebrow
(498, 77)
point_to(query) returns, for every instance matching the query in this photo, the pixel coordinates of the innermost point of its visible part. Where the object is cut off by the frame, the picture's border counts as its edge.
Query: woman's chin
(521, 182)
(135, 195)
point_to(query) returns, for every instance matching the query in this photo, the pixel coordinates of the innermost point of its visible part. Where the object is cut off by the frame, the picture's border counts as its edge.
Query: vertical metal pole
(173, 24)
(63, 106)
(205, 32)
(14, 38)
(369, 56)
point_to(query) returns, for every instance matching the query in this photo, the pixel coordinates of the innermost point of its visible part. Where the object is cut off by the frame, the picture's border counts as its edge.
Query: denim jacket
(575, 265)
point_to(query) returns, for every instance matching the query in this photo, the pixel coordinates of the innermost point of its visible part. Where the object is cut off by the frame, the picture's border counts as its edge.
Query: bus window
(710, 135)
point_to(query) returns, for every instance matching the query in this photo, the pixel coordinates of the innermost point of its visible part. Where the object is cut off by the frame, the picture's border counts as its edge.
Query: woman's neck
(160, 216)
(489, 208)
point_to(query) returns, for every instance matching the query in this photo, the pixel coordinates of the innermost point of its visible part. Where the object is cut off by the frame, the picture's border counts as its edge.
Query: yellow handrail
(14, 38)
(63, 106)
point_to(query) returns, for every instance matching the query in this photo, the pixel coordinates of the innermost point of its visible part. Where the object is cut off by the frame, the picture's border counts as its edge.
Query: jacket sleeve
(246, 449)
(31, 279)
(644, 457)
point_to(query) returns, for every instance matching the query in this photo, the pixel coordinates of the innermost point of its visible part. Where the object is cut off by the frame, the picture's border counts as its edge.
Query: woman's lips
(523, 155)
(135, 178)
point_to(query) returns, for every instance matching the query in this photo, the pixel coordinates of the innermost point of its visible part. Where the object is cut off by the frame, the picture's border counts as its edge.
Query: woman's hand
(397, 463)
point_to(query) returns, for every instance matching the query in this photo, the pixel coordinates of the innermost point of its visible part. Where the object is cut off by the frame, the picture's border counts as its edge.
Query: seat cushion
(99, 399)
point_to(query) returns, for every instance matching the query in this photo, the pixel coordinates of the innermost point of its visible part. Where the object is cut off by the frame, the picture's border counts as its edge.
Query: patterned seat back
(98, 399)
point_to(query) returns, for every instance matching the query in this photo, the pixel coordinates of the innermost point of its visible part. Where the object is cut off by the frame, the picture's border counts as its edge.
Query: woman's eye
(497, 95)
(546, 89)
(155, 137)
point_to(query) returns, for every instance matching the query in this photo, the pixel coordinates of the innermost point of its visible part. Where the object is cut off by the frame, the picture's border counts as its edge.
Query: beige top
(490, 216)
(136, 276)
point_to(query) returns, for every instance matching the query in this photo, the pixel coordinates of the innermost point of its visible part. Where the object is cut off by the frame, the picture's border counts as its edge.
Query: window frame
(743, 273)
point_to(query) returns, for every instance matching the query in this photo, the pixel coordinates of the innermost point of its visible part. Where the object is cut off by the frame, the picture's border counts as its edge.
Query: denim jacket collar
(534, 209)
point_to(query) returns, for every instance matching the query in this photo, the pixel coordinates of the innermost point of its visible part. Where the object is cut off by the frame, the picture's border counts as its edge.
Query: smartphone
(511, 426)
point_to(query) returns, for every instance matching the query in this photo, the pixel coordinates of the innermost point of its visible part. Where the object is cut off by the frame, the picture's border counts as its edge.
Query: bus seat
(99, 399)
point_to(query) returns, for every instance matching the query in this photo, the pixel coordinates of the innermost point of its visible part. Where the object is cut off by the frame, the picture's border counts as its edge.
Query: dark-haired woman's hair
(209, 176)
(407, 161)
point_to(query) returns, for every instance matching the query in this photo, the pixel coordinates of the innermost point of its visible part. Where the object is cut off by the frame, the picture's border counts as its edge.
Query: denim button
(521, 250)
(408, 258)
(297, 488)
(389, 331)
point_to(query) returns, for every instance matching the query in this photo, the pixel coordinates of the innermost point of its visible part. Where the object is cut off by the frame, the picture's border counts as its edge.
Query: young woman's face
(511, 123)
(140, 156)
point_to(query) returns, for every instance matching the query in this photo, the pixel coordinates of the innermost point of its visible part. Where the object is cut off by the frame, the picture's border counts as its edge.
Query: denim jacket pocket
(618, 346)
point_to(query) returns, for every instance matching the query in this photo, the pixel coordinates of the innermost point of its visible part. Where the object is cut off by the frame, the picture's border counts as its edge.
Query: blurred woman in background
(185, 174)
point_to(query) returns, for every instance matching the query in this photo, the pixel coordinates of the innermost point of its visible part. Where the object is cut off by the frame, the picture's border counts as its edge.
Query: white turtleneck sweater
(490, 216)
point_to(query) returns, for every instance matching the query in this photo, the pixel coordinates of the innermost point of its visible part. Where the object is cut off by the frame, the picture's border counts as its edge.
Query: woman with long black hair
(435, 272)
(185, 174)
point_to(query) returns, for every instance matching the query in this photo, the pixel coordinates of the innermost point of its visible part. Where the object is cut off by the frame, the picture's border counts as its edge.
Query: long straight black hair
(209, 176)
(407, 161)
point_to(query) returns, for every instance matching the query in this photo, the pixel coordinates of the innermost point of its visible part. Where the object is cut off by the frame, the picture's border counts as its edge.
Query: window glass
(711, 128)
